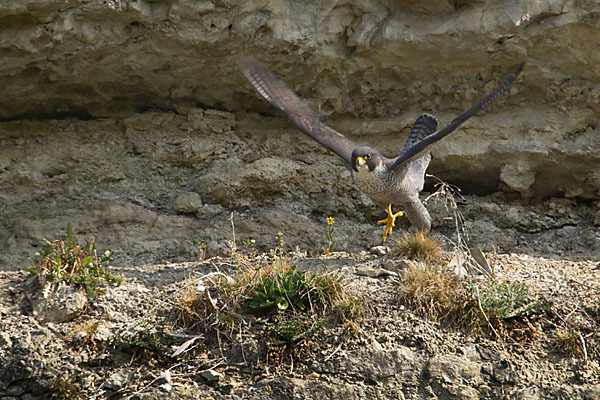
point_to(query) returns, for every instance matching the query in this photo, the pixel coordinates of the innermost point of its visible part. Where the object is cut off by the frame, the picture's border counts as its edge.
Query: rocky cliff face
(114, 111)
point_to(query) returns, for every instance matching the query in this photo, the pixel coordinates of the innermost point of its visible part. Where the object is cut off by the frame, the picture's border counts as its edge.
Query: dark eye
(368, 157)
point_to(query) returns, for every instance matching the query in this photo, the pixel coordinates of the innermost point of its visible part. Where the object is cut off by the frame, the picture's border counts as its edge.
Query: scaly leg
(389, 222)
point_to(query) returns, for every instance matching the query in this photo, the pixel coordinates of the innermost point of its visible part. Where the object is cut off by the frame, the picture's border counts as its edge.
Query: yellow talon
(389, 222)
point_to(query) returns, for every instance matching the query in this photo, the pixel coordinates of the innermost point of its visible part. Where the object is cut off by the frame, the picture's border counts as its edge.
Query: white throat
(362, 169)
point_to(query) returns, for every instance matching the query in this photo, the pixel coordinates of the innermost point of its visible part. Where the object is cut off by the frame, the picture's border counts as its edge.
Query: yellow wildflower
(330, 221)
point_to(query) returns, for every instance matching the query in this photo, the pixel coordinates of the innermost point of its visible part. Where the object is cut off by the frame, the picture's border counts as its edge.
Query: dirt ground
(147, 189)
(395, 353)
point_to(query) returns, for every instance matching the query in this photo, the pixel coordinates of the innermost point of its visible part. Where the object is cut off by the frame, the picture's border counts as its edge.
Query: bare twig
(233, 246)
(448, 192)
(332, 354)
(484, 314)
(583, 346)
(151, 383)
(242, 344)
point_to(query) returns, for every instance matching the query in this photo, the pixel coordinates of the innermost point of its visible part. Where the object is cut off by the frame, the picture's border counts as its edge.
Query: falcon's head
(366, 159)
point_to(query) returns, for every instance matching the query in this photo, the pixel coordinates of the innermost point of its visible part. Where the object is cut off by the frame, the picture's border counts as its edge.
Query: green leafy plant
(504, 300)
(249, 248)
(68, 262)
(290, 329)
(202, 245)
(148, 338)
(249, 245)
(284, 288)
(506, 308)
(277, 254)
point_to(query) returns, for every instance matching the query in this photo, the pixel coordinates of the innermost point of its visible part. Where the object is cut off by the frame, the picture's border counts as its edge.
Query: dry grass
(291, 306)
(84, 334)
(418, 246)
(497, 309)
(567, 341)
(432, 291)
(350, 309)
(220, 301)
(193, 305)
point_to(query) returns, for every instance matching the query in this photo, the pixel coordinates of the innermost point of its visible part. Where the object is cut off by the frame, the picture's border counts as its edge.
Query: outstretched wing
(280, 96)
(424, 126)
(424, 145)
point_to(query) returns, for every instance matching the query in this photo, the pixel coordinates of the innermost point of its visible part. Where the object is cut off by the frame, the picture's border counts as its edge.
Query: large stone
(60, 305)
(187, 203)
(376, 364)
(451, 369)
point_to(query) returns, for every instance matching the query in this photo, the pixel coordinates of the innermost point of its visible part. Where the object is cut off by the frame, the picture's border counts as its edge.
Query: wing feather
(424, 126)
(424, 145)
(283, 98)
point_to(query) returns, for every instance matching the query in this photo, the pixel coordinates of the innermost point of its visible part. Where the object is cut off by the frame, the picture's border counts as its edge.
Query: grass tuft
(434, 292)
(289, 304)
(193, 304)
(497, 309)
(567, 341)
(273, 288)
(350, 309)
(418, 246)
(280, 286)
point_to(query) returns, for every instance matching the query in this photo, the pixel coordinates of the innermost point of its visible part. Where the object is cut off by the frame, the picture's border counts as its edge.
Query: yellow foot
(389, 222)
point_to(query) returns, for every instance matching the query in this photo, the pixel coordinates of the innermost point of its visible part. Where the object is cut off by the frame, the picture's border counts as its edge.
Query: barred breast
(381, 187)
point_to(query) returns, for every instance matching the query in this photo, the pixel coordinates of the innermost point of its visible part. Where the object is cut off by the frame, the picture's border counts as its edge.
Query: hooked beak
(360, 164)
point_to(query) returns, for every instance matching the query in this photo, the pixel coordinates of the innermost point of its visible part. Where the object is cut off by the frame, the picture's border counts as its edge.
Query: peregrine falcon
(387, 181)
